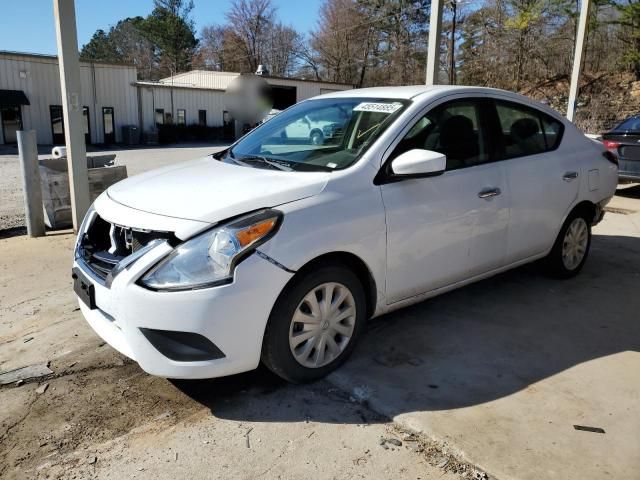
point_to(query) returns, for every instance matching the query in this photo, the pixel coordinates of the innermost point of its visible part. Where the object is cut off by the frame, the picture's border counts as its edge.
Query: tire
(316, 137)
(295, 303)
(562, 263)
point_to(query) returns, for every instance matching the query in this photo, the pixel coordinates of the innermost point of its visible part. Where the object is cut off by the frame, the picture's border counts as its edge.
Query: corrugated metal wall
(189, 99)
(202, 78)
(221, 80)
(113, 87)
(213, 101)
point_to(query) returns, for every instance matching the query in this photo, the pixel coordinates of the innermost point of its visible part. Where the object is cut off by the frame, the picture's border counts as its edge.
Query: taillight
(611, 145)
(612, 157)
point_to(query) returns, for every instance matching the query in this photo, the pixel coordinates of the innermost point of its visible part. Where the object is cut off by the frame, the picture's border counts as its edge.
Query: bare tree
(251, 21)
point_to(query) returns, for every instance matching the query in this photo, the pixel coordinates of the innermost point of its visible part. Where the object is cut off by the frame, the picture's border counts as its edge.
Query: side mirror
(418, 163)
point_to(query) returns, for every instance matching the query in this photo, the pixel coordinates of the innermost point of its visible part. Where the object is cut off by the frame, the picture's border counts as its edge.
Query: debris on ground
(438, 455)
(394, 441)
(385, 442)
(246, 436)
(92, 459)
(42, 388)
(25, 373)
(360, 394)
(585, 428)
(27, 340)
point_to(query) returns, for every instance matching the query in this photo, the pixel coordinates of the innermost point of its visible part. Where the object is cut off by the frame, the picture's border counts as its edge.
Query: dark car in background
(624, 141)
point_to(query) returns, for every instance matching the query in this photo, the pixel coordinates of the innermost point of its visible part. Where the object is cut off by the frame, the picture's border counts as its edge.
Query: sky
(27, 25)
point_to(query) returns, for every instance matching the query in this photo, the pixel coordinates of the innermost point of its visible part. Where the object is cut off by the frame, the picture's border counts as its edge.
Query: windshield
(323, 134)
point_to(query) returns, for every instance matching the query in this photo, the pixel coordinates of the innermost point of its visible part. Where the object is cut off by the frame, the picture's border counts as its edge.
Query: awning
(13, 97)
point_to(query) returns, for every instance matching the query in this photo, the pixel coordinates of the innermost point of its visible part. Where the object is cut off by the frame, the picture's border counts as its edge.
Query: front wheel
(570, 251)
(315, 324)
(316, 138)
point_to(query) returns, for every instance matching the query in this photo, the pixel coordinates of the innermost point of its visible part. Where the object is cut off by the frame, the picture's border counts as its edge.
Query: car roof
(414, 92)
(405, 92)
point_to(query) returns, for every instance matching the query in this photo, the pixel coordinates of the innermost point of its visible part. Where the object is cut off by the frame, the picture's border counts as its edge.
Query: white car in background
(318, 127)
(280, 251)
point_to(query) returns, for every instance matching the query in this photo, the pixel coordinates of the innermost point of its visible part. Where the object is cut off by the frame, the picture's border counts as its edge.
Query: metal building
(199, 96)
(30, 98)
(112, 97)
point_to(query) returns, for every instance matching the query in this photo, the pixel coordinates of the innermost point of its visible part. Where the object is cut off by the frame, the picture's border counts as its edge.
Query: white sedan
(278, 251)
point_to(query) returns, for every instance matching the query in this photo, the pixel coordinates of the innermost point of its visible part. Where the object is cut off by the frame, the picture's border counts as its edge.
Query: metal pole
(28, 149)
(577, 58)
(433, 48)
(452, 67)
(66, 35)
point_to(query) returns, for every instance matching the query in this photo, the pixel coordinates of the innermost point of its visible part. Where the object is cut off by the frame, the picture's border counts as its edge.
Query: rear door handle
(489, 193)
(569, 176)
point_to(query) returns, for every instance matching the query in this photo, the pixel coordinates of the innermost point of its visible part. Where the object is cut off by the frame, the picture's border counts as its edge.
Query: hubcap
(574, 246)
(322, 325)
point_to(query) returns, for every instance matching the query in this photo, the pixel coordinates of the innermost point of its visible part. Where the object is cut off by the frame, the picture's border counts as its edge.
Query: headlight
(210, 258)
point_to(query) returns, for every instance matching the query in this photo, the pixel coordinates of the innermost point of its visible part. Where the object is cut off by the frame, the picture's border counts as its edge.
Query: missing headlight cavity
(182, 346)
(103, 245)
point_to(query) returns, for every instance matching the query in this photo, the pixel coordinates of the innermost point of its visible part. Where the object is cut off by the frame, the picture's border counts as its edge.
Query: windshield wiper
(272, 163)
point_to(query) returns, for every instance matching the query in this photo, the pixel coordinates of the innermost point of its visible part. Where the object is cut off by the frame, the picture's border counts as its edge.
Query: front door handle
(488, 193)
(569, 176)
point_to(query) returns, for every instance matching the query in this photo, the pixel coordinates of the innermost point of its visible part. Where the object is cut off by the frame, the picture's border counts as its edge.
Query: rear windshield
(630, 125)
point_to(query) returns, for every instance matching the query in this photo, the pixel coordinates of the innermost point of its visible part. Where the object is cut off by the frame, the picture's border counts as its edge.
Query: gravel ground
(137, 160)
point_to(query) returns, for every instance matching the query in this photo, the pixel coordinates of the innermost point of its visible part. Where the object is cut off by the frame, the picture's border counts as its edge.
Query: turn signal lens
(255, 232)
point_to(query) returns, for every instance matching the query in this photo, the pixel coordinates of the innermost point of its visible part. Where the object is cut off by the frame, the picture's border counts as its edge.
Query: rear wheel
(315, 324)
(571, 248)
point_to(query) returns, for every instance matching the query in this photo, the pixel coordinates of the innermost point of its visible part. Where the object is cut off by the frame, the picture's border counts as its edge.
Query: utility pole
(433, 48)
(69, 65)
(452, 48)
(577, 58)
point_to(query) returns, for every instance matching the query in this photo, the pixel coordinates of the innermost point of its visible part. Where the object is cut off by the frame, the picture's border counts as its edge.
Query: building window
(202, 118)
(182, 116)
(168, 118)
(159, 116)
(86, 124)
(57, 124)
(108, 125)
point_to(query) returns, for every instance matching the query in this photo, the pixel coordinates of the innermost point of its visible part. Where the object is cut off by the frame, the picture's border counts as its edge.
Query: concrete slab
(501, 371)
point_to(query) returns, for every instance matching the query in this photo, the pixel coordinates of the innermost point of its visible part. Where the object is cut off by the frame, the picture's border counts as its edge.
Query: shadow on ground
(629, 191)
(477, 344)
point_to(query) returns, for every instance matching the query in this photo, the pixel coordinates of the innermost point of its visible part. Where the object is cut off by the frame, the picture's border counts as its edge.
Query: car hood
(208, 190)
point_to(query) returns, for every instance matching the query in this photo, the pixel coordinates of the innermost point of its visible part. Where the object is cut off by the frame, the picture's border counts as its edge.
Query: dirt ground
(102, 417)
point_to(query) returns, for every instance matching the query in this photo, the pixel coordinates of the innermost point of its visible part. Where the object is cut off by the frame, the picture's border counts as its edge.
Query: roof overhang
(13, 97)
